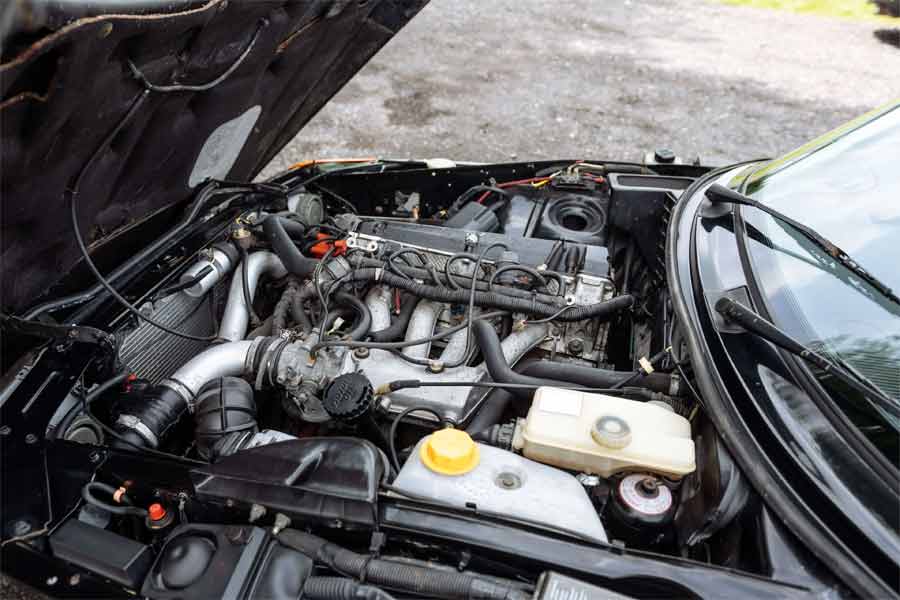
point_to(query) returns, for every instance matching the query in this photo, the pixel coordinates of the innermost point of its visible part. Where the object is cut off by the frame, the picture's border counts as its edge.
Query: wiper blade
(717, 193)
(756, 324)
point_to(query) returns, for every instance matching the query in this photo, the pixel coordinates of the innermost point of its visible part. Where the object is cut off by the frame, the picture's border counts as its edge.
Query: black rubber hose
(97, 392)
(124, 508)
(497, 367)
(491, 411)
(400, 323)
(415, 579)
(590, 376)
(284, 247)
(364, 316)
(158, 412)
(601, 310)
(338, 588)
(298, 311)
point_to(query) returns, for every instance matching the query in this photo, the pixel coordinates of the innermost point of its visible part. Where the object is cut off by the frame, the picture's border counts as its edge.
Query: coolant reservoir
(600, 434)
(448, 467)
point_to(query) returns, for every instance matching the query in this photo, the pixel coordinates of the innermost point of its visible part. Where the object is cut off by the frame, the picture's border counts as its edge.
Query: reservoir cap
(612, 432)
(449, 452)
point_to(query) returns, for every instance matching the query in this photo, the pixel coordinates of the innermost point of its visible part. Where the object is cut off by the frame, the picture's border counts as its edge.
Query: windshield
(846, 186)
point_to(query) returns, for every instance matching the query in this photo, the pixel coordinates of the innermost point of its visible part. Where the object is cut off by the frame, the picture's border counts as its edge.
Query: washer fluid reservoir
(448, 467)
(603, 435)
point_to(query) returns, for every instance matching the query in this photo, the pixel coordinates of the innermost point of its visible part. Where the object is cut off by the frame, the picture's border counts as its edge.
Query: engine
(505, 350)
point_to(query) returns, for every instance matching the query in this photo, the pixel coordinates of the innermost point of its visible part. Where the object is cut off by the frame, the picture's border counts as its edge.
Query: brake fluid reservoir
(603, 435)
(448, 467)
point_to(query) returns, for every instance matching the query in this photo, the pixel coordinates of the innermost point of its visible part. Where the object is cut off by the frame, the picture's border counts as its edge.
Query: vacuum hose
(415, 579)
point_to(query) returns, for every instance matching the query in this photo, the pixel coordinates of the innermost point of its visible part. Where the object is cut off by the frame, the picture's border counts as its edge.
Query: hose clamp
(136, 425)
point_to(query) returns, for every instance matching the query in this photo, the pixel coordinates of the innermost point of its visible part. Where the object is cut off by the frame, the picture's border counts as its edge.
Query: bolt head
(31, 439)
(361, 353)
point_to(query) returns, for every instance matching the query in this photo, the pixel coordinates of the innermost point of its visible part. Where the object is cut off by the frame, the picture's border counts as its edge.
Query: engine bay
(341, 336)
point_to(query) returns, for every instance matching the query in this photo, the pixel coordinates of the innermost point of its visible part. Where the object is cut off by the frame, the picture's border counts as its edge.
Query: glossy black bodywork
(749, 388)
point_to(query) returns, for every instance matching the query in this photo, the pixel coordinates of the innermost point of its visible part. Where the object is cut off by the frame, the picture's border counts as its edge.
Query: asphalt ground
(530, 79)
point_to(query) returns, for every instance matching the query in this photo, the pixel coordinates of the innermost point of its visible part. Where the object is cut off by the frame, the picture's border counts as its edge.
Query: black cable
(148, 86)
(551, 317)
(534, 273)
(87, 399)
(405, 384)
(73, 193)
(392, 436)
(471, 310)
(450, 261)
(183, 285)
(347, 204)
(406, 343)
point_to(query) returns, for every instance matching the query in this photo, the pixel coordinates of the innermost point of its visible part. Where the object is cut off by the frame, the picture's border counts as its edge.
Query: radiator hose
(501, 372)
(600, 310)
(415, 579)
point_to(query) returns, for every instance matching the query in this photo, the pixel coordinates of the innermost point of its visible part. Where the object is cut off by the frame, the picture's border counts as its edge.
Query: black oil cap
(348, 397)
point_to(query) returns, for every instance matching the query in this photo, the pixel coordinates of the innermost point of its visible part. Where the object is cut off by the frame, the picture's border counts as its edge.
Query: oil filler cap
(612, 432)
(348, 397)
(449, 452)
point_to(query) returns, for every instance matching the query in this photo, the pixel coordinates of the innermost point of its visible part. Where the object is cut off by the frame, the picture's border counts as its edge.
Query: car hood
(227, 82)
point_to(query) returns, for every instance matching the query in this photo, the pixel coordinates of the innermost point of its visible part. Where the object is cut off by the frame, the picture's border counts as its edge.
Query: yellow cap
(449, 452)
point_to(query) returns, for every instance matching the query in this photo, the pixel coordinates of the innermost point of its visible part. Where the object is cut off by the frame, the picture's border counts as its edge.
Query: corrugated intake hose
(414, 579)
(338, 588)
(601, 310)
(592, 377)
(284, 247)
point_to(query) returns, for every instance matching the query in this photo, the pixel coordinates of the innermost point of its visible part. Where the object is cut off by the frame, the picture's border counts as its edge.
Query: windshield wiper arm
(717, 193)
(756, 324)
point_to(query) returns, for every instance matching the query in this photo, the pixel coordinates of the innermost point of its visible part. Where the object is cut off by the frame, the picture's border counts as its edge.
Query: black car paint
(703, 260)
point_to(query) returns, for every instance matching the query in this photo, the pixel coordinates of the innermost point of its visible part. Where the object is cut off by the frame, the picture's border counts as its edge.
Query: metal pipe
(221, 261)
(379, 302)
(455, 350)
(421, 325)
(237, 313)
(216, 361)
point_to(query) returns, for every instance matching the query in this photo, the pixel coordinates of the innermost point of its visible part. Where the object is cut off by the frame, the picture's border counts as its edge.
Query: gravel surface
(517, 79)
(530, 79)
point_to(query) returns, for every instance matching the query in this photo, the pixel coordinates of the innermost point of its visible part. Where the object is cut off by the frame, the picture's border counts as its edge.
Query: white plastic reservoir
(603, 435)
(448, 467)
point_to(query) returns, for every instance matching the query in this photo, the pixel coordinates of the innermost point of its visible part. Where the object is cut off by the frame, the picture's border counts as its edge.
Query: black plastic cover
(333, 478)
(228, 562)
(109, 554)
(474, 217)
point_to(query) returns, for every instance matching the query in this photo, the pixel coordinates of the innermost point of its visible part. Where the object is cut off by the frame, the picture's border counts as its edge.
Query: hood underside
(228, 83)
